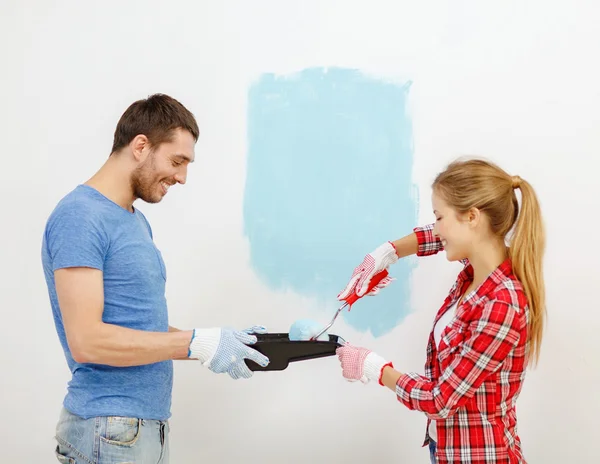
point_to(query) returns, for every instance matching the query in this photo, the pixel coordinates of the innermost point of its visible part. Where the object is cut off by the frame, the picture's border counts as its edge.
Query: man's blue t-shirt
(87, 229)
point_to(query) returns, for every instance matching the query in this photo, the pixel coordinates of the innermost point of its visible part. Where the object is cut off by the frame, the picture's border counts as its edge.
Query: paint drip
(305, 329)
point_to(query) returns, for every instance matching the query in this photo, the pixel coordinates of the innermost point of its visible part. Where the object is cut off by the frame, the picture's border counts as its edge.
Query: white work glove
(361, 364)
(224, 350)
(374, 262)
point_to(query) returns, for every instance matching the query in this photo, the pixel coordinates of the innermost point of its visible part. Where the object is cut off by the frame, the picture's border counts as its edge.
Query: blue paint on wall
(329, 165)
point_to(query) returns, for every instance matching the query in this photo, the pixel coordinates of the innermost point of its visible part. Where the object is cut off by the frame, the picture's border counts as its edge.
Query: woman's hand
(378, 260)
(361, 364)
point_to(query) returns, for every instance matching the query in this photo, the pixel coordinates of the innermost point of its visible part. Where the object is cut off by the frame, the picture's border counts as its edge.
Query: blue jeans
(432, 448)
(103, 440)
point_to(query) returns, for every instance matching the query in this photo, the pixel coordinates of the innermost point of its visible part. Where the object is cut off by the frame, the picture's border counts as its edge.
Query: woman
(489, 327)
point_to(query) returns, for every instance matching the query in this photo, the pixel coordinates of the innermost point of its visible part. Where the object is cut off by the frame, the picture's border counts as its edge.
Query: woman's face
(454, 230)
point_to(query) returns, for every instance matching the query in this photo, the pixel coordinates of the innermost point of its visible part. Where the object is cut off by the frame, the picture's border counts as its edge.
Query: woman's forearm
(390, 377)
(407, 245)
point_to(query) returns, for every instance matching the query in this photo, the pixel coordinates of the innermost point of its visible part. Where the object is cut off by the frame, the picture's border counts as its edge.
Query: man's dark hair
(156, 117)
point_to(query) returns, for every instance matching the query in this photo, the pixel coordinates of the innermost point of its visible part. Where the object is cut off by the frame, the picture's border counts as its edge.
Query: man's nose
(181, 177)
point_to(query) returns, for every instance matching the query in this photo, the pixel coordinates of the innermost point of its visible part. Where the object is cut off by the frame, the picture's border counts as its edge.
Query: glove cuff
(385, 254)
(391, 254)
(204, 344)
(373, 367)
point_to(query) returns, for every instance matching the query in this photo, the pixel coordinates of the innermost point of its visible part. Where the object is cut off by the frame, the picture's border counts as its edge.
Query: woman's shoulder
(508, 289)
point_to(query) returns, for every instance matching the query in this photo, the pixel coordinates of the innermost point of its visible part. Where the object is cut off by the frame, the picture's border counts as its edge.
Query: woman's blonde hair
(480, 184)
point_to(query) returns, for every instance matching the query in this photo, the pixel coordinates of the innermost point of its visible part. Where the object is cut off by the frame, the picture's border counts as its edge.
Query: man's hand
(224, 350)
(373, 263)
(361, 364)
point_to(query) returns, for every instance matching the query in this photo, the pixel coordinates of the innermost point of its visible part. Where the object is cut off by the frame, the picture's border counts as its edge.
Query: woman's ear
(473, 217)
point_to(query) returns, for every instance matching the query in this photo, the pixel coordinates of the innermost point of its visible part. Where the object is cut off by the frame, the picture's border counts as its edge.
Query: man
(106, 282)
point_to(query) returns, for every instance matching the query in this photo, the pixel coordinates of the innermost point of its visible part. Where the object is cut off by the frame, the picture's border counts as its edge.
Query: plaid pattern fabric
(472, 383)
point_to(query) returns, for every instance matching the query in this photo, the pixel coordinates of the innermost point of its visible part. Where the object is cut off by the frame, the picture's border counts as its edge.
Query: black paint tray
(281, 350)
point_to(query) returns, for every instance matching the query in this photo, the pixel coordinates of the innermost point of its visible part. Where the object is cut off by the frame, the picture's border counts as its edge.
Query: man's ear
(140, 147)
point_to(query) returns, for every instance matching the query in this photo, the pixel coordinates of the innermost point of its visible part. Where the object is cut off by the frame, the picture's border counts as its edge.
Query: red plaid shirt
(472, 383)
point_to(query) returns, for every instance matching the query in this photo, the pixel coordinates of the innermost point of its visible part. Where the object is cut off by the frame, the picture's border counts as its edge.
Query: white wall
(516, 81)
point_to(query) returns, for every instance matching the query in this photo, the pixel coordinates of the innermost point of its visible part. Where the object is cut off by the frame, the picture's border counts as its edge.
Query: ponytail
(526, 251)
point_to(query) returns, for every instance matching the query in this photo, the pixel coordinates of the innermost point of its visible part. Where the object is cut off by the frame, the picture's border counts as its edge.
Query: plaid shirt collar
(465, 278)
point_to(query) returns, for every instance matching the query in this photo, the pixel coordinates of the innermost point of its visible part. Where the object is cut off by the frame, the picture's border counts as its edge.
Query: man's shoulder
(78, 208)
(76, 232)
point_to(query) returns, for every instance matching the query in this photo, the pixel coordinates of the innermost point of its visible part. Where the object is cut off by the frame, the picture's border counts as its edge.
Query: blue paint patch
(329, 166)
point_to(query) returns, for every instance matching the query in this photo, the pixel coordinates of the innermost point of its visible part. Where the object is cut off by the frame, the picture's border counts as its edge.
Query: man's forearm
(183, 358)
(119, 346)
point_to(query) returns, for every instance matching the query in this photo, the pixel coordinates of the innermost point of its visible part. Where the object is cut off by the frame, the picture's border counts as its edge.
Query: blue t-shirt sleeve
(76, 238)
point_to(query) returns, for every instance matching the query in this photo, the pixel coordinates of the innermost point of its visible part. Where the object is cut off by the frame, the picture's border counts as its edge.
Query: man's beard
(143, 182)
